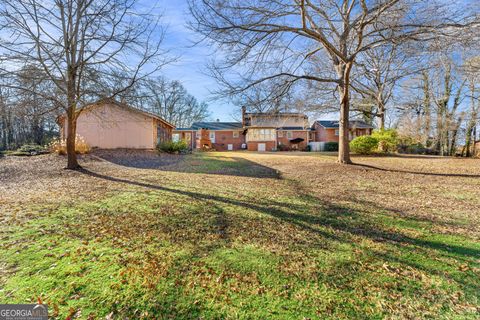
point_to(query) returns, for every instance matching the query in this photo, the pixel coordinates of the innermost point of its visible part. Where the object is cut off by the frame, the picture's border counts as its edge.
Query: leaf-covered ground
(242, 236)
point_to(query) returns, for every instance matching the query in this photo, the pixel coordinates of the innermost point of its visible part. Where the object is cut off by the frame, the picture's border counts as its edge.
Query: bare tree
(168, 99)
(76, 42)
(472, 74)
(282, 41)
(447, 93)
(378, 72)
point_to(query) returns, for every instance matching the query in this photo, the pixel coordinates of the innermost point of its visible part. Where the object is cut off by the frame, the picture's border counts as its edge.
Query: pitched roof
(183, 129)
(334, 124)
(275, 114)
(124, 106)
(217, 125)
(293, 128)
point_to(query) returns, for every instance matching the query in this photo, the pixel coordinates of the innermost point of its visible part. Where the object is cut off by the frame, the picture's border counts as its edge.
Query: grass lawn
(242, 236)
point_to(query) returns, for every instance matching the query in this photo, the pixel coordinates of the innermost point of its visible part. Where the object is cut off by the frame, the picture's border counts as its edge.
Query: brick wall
(224, 138)
(253, 145)
(324, 135)
(282, 138)
(328, 135)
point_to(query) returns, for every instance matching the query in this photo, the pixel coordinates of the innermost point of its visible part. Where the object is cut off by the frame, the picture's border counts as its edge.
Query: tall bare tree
(76, 41)
(284, 40)
(472, 74)
(378, 72)
(168, 99)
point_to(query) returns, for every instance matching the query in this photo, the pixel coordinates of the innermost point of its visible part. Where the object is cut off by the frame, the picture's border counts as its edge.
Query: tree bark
(426, 109)
(72, 162)
(343, 71)
(381, 115)
(471, 124)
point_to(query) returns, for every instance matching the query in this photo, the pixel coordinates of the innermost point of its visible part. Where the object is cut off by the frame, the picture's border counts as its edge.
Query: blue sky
(190, 67)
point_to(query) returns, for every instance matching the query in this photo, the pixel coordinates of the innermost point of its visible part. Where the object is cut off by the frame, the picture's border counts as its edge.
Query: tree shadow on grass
(196, 163)
(322, 214)
(321, 220)
(461, 175)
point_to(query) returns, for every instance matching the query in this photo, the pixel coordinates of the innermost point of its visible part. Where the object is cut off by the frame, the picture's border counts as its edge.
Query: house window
(212, 136)
(235, 134)
(261, 135)
(162, 134)
(176, 137)
(337, 132)
(197, 134)
(289, 134)
(280, 134)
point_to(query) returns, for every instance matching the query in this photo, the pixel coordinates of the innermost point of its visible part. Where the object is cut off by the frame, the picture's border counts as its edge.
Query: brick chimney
(244, 111)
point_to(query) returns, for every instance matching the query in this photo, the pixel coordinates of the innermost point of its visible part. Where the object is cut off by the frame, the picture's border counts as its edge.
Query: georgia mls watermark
(23, 312)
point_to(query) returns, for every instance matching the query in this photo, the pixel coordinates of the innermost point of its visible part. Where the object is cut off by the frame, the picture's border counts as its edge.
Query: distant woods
(169, 99)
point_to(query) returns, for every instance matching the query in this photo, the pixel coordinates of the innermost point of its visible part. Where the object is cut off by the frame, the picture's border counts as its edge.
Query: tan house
(328, 130)
(111, 124)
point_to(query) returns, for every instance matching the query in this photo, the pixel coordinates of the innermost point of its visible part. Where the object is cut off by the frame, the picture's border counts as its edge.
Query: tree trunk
(72, 162)
(453, 142)
(381, 115)
(344, 91)
(471, 124)
(426, 109)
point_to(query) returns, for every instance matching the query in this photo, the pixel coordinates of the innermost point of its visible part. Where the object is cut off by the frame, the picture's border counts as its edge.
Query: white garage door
(261, 147)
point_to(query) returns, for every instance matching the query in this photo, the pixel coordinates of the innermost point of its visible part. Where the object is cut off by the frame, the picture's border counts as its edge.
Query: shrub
(283, 147)
(173, 147)
(407, 144)
(364, 145)
(331, 146)
(60, 146)
(29, 150)
(387, 140)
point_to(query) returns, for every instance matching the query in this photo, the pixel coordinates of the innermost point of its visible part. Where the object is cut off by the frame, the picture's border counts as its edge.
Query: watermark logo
(23, 312)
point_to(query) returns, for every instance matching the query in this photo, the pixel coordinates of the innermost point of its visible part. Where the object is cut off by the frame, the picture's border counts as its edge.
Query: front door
(261, 147)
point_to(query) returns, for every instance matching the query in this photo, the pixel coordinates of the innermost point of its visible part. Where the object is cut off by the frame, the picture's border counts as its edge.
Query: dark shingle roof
(292, 128)
(276, 114)
(333, 124)
(216, 125)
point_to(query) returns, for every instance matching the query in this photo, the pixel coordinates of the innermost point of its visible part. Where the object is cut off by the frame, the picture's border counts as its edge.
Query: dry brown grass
(258, 235)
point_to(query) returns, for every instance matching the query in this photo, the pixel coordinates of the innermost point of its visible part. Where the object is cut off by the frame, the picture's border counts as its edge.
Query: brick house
(276, 131)
(328, 130)
(256, 132)
(260, 131)
(221, 136)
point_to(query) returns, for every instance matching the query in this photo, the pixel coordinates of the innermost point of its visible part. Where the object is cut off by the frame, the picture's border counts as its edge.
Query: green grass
(235, 247)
